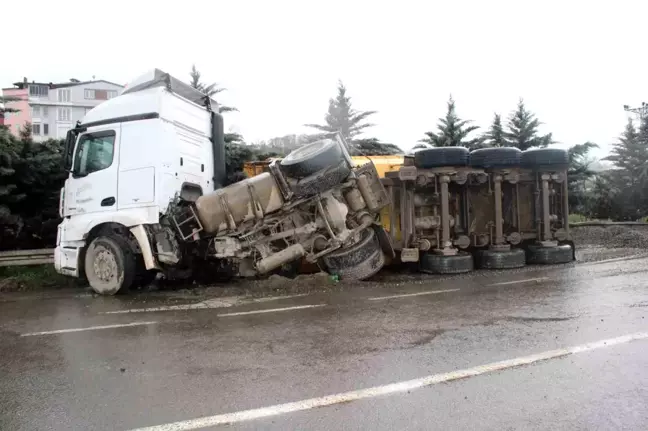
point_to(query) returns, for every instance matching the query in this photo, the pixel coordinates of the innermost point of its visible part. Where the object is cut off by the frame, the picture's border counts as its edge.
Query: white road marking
(209, 303)
(90, 328)
(393, 388)
(406, 295)
(275, 298)
(519, 281)
(269, 310)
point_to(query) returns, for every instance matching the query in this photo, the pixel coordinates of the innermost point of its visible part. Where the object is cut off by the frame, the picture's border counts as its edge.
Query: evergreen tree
(452, 131)
(342, 118)
(580, 177)
(523, 130)
(495, 136)
(630, 153)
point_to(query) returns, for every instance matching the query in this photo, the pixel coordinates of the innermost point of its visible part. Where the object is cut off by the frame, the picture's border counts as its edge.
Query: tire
(545, 157)
(549, 255)
(110, 265)
(433, 263)
(323, 180)
(357, 262)
(145, 278)
(506, 259)
(441, 157)
(311, 158)
(492, 158)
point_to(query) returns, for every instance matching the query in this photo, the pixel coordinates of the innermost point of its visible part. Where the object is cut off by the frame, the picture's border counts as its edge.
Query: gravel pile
(611, 236)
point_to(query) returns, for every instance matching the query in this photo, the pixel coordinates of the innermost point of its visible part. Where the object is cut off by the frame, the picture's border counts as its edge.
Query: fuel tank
(243, 201)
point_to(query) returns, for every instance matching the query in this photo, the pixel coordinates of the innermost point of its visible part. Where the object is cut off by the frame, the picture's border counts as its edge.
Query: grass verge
(30, 278)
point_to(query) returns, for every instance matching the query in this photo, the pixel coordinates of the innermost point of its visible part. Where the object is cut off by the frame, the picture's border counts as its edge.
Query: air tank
(248, 199)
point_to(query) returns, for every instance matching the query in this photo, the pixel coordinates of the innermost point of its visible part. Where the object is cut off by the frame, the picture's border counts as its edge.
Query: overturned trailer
(492, 208)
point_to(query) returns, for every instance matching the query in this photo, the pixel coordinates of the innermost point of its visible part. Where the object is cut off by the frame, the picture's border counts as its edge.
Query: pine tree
(452, 131)
(630, 157)
(495, 136)
(523, 130)
(580, 177)
(630, 153)
(342, 118)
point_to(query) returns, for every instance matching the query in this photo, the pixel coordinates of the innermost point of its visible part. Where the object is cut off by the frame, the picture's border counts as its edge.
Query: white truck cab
(129, 157)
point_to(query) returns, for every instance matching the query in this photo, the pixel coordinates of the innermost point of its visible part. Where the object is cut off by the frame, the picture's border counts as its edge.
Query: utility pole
(641, 112)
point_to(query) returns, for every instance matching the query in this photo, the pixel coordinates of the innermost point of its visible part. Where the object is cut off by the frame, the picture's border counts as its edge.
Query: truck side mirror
(68, 150)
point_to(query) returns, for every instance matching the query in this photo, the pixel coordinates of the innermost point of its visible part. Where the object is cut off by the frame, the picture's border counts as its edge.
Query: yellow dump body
(383, 164)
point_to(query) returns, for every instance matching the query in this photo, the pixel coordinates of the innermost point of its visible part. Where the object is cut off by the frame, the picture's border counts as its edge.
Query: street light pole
(641, 112)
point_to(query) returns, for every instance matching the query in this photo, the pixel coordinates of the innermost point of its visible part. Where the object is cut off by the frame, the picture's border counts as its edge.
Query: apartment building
(53, 109)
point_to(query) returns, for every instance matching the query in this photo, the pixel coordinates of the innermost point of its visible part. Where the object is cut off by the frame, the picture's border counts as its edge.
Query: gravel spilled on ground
(611, 236)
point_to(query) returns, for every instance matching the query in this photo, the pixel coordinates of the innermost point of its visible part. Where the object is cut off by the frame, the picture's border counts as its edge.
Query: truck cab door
(92, 186)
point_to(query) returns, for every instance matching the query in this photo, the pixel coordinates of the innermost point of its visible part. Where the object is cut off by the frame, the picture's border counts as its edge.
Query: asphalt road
(455, 353)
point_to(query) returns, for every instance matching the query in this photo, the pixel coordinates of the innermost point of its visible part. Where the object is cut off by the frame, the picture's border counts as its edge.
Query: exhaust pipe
(282, 257)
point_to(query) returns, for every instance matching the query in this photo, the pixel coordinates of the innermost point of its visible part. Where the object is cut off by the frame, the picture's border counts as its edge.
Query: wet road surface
(71, 361)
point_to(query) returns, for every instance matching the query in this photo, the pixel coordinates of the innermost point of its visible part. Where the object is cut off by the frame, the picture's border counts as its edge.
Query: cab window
(94, 152)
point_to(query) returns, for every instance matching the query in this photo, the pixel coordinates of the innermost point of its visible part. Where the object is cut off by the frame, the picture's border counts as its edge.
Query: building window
(64, 95)
(45, 129)
(36, 129)
(99, 94)
(38, 90)
(35, 111)
(45, 112)
(64, 114)
(94, 152)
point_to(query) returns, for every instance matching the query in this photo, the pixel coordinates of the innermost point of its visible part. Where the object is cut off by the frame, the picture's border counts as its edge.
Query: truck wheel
(433, 263)
(549, 255)
(545, 157)
(493, 158)
(311, 158)
(441, 157)
(110, 265)
(322, 181)
(505, 259)
(358, 262)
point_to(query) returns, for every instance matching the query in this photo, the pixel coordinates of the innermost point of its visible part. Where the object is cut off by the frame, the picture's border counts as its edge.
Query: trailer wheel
(549, 255)
(322, 181)
(441, 156)
(433, 263)
(358, 262)
(544, 158)
(110, 265)
(311, 158)
(505, 259)
(493, 158)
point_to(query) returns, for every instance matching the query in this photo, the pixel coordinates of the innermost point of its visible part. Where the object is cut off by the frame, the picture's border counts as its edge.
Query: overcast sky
(576, 63)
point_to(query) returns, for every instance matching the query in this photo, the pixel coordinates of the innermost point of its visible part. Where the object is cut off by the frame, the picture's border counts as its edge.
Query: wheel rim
(105, 265)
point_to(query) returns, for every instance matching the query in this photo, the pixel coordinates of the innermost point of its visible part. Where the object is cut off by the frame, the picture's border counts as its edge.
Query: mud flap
(385, 241)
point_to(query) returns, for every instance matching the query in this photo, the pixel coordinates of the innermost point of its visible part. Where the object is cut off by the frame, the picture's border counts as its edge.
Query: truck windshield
(94, 152)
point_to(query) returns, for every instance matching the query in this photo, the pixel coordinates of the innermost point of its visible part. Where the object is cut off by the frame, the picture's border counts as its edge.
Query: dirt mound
(611, 236)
